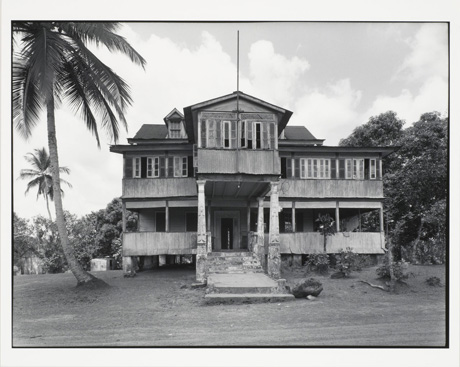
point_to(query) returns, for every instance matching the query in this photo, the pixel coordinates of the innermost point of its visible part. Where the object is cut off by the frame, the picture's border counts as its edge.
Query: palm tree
(41, 175)
(54, 65)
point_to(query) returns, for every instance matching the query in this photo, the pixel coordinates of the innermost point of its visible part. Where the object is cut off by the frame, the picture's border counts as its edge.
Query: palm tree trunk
(79, 273)
(48, 205)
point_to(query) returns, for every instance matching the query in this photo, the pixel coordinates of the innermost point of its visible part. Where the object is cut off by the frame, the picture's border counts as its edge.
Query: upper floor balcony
(243, 161)
(331, 188)
(158, 187)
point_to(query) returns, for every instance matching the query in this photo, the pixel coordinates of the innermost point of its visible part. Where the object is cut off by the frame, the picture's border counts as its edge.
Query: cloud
(432, 96)
(324, 110)
(273, 75)
(428, 55)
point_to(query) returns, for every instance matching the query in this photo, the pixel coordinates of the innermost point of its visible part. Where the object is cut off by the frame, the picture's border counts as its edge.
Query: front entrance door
(226, 230)
(226, 233)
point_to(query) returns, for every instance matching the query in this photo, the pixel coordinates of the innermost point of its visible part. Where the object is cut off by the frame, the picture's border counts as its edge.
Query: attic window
(174, 130)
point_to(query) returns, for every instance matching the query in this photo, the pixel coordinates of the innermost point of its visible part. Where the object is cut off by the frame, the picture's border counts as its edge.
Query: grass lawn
(159, 308)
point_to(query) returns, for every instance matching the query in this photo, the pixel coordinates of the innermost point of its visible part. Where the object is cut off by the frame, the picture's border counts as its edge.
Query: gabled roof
(189, 111)
(173, 115)
(150, 131)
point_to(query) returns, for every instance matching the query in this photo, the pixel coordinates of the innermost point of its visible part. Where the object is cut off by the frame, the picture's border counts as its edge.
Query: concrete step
(247, 297)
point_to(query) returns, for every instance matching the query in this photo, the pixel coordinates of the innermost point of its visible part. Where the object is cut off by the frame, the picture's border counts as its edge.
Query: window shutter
(265, 140)
(219, 133)
(288, 167)
(233, 134)
(162, 167)
(377, 165)
(190, 171)
(128, 167)
(333, 169)
(249, 125)
(297, 168)
(203, 133)
(272, 135)
(170, 166)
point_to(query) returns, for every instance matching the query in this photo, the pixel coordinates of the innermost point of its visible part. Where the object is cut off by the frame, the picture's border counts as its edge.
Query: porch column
(293, 217)
(129, 267)
(274, 256)
(259, 247)
(337, 217)
(166, 216)
(201, 250)
(381, 218)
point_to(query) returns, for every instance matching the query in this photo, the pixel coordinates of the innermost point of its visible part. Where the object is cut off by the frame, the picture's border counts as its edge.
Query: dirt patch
(161, 308)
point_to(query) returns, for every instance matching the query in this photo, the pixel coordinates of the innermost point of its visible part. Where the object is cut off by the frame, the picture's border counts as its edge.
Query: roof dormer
(175, 123)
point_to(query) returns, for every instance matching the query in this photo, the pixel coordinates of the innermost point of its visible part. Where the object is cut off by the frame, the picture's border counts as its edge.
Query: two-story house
(230, 176)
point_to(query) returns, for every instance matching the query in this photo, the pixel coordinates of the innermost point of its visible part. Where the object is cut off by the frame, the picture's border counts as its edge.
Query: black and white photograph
(228, 189)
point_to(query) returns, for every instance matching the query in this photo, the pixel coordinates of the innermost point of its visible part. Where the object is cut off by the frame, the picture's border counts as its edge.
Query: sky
(333, 75)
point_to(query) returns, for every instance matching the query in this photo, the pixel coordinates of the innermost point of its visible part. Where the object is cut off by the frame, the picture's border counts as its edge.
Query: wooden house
(230, 176)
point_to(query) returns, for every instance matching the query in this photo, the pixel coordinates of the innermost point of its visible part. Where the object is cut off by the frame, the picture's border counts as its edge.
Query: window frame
(177, 130)
(315, 168)
(372, 170)
(137, 167)
(180, 163)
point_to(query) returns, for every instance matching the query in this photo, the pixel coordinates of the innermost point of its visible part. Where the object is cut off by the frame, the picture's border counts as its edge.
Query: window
(180, 167)
(137, 167)
(174, 129)
(315, 168)
(153, 167)
(358, 169)
(373, 169)
(258, 135)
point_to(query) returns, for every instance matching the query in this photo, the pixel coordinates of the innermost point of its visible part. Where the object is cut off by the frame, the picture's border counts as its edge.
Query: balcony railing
(158, 187)
(247, 161)
(311, 242)
(159, 243)
(327, 188)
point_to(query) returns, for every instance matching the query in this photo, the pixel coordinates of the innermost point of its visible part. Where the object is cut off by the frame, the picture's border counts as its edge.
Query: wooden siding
(159, 243)
(328, 188)
(311, 242)
(247, 161)
(158, 187)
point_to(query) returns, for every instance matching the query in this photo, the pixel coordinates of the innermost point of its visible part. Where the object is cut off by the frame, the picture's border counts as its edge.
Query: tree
(53, 65)
(41, 175)
(415, 177)
(23, 241)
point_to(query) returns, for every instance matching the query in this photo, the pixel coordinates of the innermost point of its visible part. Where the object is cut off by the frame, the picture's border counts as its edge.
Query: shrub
(433, 281)
(346, 261)
(399, 270)
(318, 262)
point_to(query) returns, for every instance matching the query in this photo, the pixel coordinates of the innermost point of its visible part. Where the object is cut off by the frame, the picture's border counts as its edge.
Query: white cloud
(273, 75)
(432, 96)
(428, 56)
(325, 112)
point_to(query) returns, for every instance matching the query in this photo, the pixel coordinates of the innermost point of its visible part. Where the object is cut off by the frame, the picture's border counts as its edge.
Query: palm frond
(102, 33)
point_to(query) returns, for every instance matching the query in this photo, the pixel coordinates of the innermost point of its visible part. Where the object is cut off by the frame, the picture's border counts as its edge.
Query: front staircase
(239, 277)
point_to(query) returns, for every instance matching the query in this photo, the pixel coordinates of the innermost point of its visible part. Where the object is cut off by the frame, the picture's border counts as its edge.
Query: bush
(318, 262)
(399, 270)
(433, 281)
(347, 261)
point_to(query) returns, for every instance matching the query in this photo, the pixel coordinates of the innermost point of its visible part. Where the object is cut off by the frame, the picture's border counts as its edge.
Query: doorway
(226, 233)
(226, 230)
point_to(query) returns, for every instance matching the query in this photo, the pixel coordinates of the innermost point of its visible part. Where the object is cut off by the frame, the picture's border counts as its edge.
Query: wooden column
(129, 269)
(259, 248)
(293, 217)
(337, 217)
(274, 256)
(381, 217)
(201, 250)
(166, 216)
(248, 224)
